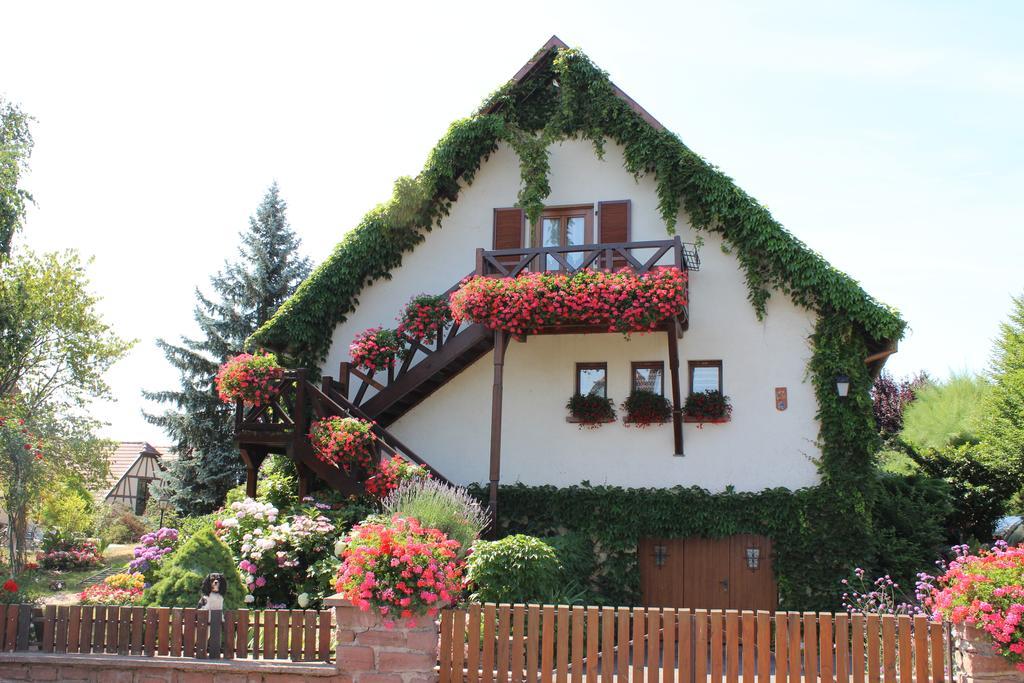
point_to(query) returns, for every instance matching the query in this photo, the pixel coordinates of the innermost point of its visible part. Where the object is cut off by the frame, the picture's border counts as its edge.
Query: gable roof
(559, 93)
(122, 458)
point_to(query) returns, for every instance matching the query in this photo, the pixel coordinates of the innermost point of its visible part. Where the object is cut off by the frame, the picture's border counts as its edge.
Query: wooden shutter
(613, 226)
(508, 228)
(508, 233)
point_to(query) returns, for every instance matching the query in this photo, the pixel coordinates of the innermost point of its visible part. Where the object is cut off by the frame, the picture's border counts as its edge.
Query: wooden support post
(250, 481)
(500, 345)
(305, 474)
(253, 458)
(677, 404)
(344, 369)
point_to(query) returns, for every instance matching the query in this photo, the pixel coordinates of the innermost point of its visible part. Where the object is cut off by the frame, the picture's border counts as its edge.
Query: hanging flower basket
(375, 349)
(590, 411)
(256, 379)
(391, 473)
(347, 442)
(618, 302)
(707, 406)
(645, 408)
(424, 317)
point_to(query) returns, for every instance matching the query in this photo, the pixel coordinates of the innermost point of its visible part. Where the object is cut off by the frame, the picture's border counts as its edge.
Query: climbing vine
(818, 532)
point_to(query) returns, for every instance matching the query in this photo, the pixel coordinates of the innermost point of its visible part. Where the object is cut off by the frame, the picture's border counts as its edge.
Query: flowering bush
(375, 349)
(254, 379)
(399, 569)
(391, 473)
(345, 441)
(644, 408)
(424, 316)
(591, 410)
(151, 551)
(11, 594)
(984, 590)
(620, 302)
(67, 551)
(119, 589)
(708, 405)
(281, 560)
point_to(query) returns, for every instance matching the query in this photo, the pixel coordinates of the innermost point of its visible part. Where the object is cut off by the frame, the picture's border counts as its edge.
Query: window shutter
(613, 221)
(508, 228)
(613, 226)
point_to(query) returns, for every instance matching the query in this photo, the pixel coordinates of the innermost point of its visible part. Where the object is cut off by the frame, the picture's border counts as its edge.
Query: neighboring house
(134, 467)
(484, 407)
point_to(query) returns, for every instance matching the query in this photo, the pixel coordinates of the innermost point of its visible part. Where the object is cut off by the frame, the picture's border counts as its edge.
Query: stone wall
(371, 652)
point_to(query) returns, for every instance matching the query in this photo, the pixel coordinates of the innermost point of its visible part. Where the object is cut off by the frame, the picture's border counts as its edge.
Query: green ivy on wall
(818, 532)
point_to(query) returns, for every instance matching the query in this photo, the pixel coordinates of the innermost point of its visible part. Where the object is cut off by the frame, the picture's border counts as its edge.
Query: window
(565, 227)
(592, 379)
(649, 376)
(705, 375)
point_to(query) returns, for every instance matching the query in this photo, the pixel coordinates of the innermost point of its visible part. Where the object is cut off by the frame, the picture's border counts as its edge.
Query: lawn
(36, 584)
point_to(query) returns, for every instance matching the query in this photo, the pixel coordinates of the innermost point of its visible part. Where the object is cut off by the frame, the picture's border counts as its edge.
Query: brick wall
(370, 652)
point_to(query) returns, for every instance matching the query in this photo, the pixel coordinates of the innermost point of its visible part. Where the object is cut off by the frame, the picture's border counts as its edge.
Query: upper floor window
(565, 227)
(705, 375)
(592, 379)
(649, 376)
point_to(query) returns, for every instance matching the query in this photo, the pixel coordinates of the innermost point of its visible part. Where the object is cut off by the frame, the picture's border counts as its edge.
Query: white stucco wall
(760, 448)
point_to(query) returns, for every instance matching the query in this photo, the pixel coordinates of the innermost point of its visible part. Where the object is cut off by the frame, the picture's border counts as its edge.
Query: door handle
(725, 585)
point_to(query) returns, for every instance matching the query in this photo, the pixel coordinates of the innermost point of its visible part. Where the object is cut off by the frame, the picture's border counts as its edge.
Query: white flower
(249, 599)
(303, 600)
(339, 547)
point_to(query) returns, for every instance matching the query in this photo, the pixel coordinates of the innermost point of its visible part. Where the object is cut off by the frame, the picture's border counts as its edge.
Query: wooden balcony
(641, 257)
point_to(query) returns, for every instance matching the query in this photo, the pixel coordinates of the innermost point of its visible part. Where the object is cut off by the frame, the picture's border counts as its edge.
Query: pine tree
(1002, 428)
(246, 293)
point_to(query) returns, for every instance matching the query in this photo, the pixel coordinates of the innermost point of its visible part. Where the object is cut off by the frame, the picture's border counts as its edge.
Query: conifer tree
(245, 293)
(1002, 427)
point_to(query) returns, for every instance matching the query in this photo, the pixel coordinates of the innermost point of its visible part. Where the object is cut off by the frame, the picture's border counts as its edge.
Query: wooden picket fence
(558, 644)
(298, 635)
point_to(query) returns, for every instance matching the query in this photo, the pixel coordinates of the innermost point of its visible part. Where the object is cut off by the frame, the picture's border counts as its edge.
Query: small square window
(649, 376)
(592, 379)
(705, 375)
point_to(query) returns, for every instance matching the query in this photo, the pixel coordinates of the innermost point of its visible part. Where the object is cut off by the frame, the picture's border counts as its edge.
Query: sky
(886, 135)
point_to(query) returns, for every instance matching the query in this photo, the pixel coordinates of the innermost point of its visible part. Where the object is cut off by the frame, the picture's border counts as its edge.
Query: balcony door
(565, 227)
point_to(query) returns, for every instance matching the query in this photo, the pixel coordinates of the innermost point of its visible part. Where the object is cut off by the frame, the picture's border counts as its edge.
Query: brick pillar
(974, 660)
(369, 652)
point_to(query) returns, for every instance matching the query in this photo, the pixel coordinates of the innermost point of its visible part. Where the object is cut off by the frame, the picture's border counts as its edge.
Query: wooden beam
(500, 345)
(677, 403)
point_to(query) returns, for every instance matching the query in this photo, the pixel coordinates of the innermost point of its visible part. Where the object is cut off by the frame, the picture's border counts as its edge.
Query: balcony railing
(639, 256)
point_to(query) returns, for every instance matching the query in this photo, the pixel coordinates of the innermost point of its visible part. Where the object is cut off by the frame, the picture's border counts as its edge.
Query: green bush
(575, 553)
(909, 519)
(277, 484)
(947, 413)
(182, 577)
(437, 506)
(68, 507)
(516, 568)
(117, 524)
(190, 526)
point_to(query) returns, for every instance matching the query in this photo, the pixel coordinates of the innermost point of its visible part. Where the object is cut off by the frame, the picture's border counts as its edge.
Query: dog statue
(214, 588)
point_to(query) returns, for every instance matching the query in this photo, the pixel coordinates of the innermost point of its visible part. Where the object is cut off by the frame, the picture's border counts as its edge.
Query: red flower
(10, 586)
(254, 379)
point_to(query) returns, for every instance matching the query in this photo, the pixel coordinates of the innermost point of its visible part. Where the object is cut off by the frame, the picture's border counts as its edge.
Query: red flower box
(255, 379)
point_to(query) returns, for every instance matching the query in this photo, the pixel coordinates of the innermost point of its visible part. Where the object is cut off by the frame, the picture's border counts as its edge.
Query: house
(133, 468)
(561, 171)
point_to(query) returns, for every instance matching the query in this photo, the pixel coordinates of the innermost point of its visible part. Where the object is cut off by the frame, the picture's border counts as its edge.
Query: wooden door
(708, 573)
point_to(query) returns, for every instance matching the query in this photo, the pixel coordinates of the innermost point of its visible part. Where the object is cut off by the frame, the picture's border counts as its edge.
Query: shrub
(575, 553)
(62, 550)
(437, 506)
(516, 569)
(182, 577)
(190, 526)
(152, 551)
(591, 410)
(256, 379)
(375, 349)
(12, 594)
(347, 442)
(708, 405)
(67, 506)
(424, 316)
(909, 518)
(889, 399)
(118, 524)
(947, 413)
(645, 408)
(400, 569)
